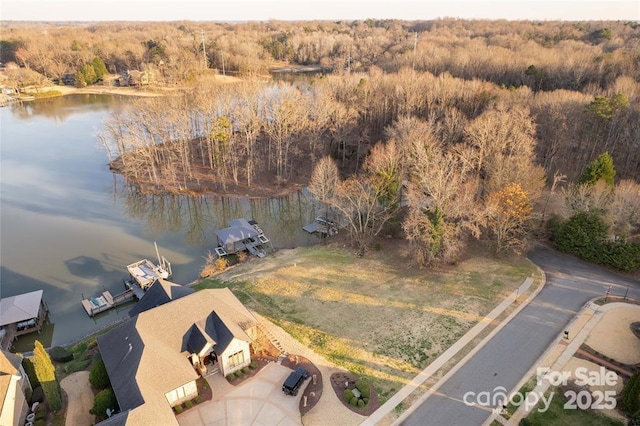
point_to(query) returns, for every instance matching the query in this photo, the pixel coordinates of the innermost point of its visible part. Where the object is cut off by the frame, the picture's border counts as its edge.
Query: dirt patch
(342, 381)
(313, 391)
(204, 390)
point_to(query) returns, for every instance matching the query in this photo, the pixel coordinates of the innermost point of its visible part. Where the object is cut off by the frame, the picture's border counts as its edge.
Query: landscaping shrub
(92, 343)
(178, 409)
(253, 365)
(360, 403)
(354, 401)
(103, 400)
(348, 394)
(238, 373)
(188, 404)
(47, 376)
(41, 412)
(366, 400)
(30, 369)
(245, 370)
(197, 399)
(631, 395)
(364, 387)
(37, 395)
(230, 377)
(40, 422)
(98, 376)
(60, 354)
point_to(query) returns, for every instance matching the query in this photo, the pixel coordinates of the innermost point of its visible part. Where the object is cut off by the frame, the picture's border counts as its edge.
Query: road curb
(538, 361)
(569, 352)
(371, 421)
(476, 348)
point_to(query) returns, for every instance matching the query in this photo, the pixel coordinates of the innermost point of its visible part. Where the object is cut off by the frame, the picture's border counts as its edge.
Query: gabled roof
(160, 292)
(121, 351)
(9, 363)
(20, 308)
(9, 366)
(161, 340)
(239, 230)
(196, 340)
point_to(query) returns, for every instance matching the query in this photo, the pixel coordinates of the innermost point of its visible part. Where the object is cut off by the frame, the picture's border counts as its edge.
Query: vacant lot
(374, 316)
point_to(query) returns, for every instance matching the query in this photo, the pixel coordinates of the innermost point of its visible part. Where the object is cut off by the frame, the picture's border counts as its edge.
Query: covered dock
(322, 226)
(21, 314)
(241, 235)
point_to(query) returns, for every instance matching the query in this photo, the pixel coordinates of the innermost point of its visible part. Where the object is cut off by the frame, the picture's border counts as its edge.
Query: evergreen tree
(600, 168)
(46, 373)
(99, 68)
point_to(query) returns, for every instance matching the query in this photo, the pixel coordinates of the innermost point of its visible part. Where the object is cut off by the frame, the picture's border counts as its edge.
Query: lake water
(69, 226)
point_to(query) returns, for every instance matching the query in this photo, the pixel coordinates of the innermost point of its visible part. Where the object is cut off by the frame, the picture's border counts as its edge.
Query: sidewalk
(559, 355)
(432, 368)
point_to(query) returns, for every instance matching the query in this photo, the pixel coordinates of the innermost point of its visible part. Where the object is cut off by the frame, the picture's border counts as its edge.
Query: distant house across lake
(135, 78)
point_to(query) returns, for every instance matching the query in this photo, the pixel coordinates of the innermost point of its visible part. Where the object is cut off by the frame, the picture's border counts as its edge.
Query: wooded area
(481, 126)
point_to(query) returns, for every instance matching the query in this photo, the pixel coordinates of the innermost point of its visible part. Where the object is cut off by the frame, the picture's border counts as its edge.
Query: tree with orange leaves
(508, 211)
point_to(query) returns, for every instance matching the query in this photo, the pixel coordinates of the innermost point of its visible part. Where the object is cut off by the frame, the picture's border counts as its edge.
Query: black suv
(294, 381)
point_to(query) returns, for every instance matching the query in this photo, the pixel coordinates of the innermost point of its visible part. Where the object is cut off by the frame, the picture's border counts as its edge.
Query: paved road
(507, 357)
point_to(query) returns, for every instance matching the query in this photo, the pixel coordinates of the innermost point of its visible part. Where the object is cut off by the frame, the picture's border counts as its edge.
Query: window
(236, 359)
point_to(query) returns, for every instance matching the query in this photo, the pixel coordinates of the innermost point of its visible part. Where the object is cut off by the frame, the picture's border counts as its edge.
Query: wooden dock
(321, 226)
(106, 301)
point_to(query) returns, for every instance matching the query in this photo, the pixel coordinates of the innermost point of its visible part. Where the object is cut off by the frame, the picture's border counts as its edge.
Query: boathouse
(21, 314)
(241, 235)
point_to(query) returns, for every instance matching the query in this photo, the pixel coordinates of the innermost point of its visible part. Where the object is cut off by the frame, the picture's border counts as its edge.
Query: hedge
(585, 235)
(364, 387)
(60, 354)
(348, 394)
(631, 395)
(98, 376)
(103, 400)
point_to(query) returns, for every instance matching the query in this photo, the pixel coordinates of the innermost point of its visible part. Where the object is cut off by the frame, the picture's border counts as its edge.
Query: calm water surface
(69, 226)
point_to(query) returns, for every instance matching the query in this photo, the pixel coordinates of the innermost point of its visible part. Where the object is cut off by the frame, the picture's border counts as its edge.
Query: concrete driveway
(258, 401)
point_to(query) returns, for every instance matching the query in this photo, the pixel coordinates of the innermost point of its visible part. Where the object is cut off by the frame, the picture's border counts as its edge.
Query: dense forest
(483, 129)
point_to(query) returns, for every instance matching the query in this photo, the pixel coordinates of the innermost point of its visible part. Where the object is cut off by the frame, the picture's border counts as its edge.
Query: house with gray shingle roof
(154, 358)
(14, 384)
(160, 292)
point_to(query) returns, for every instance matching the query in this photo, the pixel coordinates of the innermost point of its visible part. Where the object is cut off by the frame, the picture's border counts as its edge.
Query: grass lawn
(556, 415)
(374, 316)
